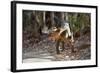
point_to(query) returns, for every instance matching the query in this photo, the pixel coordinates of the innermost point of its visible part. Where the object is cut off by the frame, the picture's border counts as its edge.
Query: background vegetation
(38, 24)
(36, 21)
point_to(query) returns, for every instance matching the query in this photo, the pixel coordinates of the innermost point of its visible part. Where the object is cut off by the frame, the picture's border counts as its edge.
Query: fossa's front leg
(57, 46)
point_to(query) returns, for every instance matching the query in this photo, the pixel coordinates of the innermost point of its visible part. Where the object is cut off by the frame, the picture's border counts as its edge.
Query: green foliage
(78, 21)
(26, 18)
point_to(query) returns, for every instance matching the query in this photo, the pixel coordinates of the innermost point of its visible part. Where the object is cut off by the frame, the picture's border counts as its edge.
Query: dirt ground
(41, 49)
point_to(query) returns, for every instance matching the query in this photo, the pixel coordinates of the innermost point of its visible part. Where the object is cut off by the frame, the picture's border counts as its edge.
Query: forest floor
(44, 50)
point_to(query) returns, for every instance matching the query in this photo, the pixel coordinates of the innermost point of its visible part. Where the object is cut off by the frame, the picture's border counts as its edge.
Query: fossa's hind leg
(63, 47)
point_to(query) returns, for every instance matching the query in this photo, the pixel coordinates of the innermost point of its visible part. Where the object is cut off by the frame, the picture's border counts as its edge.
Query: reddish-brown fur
(55, 36)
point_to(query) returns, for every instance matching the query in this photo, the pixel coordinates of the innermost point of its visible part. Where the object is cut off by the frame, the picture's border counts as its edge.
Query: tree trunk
(52, 19)
(45, 28)
(62, 16)
(44, 18)
(66, 16)
(34, 24)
